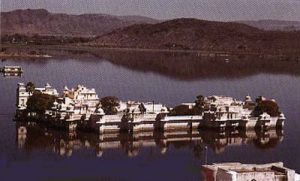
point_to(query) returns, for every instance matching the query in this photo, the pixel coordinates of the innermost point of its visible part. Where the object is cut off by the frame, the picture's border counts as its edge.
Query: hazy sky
(224, 10)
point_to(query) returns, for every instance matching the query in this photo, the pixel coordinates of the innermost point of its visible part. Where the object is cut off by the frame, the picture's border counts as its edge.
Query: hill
(193, 34)
(42, 22)
(274, 25)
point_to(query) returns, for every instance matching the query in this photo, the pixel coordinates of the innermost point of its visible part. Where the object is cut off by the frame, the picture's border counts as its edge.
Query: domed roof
(264, 116)
(282, 116)
(248, 98)
(100, 111)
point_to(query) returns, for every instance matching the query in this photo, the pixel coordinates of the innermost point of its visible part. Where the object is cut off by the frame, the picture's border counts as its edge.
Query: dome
(47, 85)
(248, 98)
(100, 111)
(264, 116)
(282, 116)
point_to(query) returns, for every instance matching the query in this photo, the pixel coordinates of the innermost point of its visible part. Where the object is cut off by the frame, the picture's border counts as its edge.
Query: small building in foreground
(248, 172)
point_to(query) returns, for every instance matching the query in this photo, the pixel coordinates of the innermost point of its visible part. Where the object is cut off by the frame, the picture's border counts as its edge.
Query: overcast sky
(220, 10)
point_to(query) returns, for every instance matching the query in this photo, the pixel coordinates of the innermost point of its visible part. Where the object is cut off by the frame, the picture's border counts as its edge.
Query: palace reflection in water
(32, 136)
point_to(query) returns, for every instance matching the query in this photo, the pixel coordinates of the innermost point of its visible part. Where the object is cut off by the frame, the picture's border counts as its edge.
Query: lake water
(45, 154)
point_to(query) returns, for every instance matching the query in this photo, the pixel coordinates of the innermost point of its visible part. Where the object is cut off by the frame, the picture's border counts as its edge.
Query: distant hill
(42, 22)
(274, 25)
(193, 34)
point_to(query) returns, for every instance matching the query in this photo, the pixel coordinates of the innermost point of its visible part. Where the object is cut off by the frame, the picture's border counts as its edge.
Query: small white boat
(11, 69)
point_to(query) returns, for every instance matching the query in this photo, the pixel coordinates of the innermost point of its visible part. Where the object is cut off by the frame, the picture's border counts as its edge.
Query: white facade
(251, 172)
(22, 97)
(81, 103)
(227, 108)
(134, 107)
(76, 104)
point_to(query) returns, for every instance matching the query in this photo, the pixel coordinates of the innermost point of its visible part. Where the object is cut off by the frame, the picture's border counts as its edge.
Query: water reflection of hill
(189, 66)
(179, 65)
(31, 136)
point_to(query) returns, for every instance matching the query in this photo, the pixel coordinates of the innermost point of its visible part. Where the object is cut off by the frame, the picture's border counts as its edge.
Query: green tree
(40, 102)
(267, 106)
(182, 110)
(142, 108)
(30, 87)
(109, 105)
(199, 104)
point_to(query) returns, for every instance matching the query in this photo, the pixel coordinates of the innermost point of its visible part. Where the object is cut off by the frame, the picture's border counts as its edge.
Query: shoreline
(89, 49)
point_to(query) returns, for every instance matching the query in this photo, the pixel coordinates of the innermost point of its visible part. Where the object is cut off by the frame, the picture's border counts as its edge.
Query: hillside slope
(274, 25)
(42, 22)
(193, 34)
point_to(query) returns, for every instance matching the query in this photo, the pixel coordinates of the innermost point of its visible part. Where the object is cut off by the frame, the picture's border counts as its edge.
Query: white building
(133, 107)
(227, 108)
(22, 97)
(76, 104)
(82, 95)
(248, 172)
(48, 89)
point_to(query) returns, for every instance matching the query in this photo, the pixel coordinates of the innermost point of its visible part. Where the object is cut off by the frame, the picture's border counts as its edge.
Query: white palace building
(82, 105)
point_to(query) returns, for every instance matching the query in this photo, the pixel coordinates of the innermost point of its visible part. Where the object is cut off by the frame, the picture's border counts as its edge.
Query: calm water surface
(45, 154)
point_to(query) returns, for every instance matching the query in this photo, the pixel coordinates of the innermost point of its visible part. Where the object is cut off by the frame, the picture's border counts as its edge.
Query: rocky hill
(193, 34)
(42, 22)
(274, 25)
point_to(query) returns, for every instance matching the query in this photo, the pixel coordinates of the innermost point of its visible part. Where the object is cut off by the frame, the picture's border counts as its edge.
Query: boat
(11, 69)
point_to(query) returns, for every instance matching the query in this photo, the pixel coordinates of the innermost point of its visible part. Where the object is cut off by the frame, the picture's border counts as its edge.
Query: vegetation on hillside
(45, 23)
(193, 34)
(42, 40)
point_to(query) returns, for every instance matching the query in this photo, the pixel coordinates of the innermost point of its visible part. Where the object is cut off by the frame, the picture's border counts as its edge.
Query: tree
(30, 87)
(109, 105)
(142, 108)
(267, 106)
(199, 104)
(182, 110)
(40, 102)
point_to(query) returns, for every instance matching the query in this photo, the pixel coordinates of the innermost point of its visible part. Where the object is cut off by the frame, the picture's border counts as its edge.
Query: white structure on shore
(251, 172)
